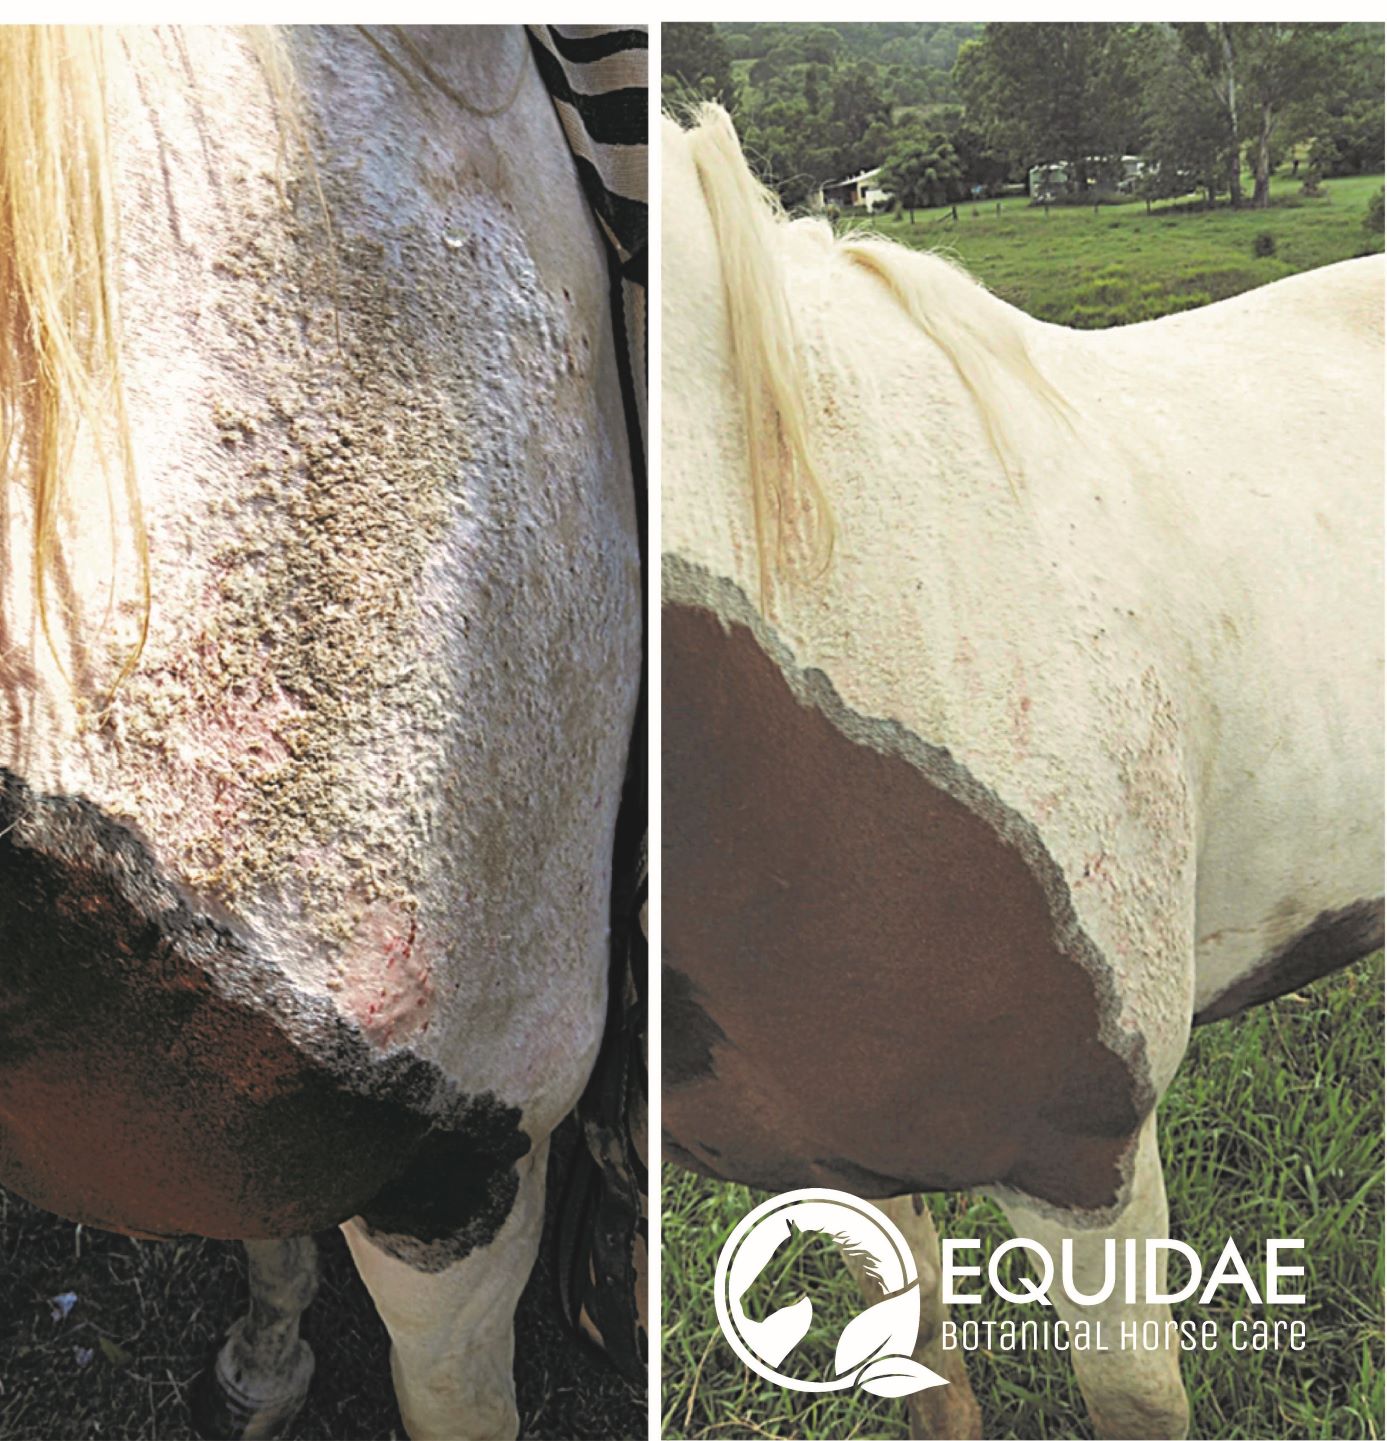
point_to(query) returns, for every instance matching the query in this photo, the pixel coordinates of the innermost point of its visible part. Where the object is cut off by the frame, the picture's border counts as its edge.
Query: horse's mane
(794, 523)
(980, 336)
(856, 1253)
(60, 357)
(843, 1242)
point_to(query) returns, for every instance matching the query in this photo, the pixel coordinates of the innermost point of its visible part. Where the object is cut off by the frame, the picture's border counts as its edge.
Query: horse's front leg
(260, 1377)
(452, 1326)
(1133, 1393)
(947, 1413)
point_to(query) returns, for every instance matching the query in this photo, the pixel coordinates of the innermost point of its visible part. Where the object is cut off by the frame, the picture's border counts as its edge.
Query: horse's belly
(159, 1073)
(1290, 857)
(874, 977)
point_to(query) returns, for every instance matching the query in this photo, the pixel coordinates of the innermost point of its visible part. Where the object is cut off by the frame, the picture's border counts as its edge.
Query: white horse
(319, 647)
(1022, 707)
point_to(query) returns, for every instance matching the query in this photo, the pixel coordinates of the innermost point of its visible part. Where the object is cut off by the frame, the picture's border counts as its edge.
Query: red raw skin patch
(387, 979)
(864, 987)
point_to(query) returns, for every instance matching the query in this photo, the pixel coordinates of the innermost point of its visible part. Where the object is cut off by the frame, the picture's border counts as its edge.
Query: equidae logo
(874, 1349)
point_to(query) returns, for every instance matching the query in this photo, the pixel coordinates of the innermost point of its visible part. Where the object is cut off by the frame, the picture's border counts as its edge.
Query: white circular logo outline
(760, 1216)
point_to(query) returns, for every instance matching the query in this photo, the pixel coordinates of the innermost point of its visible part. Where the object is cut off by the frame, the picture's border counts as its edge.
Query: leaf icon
(897, 1376)
(889, 1326)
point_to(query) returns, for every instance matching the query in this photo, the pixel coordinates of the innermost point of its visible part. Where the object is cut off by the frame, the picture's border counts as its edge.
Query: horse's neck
(195, 147)
(478, 68)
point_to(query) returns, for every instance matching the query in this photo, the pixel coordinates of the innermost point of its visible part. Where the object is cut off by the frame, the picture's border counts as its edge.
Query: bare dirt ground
(149, 1315)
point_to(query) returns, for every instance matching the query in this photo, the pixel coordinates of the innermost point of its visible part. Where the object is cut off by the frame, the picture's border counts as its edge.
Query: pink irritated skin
(228, 740)
(249, 719)
(228, 746)
(387, 981)
(385, 976)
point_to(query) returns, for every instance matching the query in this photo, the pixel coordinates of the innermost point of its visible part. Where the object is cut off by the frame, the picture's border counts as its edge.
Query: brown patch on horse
(689, 1033)
(160, 1075)
(881, 980)
(1334, 939)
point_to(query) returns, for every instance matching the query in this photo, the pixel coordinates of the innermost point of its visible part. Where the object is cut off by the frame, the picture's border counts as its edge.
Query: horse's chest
(158, 1073)
(837, 888)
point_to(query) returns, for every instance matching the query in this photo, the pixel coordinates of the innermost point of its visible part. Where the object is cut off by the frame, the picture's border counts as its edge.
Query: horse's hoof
(228, 1405)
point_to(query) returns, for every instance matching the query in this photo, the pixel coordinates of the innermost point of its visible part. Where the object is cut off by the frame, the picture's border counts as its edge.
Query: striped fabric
(598, 76)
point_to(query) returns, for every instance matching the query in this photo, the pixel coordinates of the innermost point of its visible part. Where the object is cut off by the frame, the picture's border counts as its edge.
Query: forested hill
(923, 53)
(819, 101)
(953, 110)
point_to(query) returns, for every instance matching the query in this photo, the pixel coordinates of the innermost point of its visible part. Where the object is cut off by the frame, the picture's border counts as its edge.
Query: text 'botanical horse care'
(874, 1350)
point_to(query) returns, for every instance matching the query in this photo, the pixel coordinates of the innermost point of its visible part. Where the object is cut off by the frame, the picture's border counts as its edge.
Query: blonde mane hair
(793, 519)
(60, 333)
(978, 335)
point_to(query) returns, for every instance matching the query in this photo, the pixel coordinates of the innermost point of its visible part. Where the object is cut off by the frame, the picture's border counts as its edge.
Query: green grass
(1272, 1128)
(1119, 265)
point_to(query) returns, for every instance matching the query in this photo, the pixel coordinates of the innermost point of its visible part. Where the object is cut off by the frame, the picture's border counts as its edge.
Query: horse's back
(1256, 427)
(1346, 297)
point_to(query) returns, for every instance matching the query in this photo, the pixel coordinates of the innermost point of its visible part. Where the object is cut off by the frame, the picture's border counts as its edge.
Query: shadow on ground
(148, 1316)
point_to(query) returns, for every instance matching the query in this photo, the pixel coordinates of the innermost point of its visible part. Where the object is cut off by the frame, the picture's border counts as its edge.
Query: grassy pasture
(1118, 265)
(1272, 1128)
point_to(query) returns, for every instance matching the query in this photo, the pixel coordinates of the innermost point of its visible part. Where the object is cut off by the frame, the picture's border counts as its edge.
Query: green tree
(1354, 135)
(1049, 92)
(1354, 118)
(1271, 84)
(1208, 54)
(1190, 143)
(858, 102)
(1284, 73)
(979, 162)
(739, 47)
(696, 58)
(922, 171)
(822, 45)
